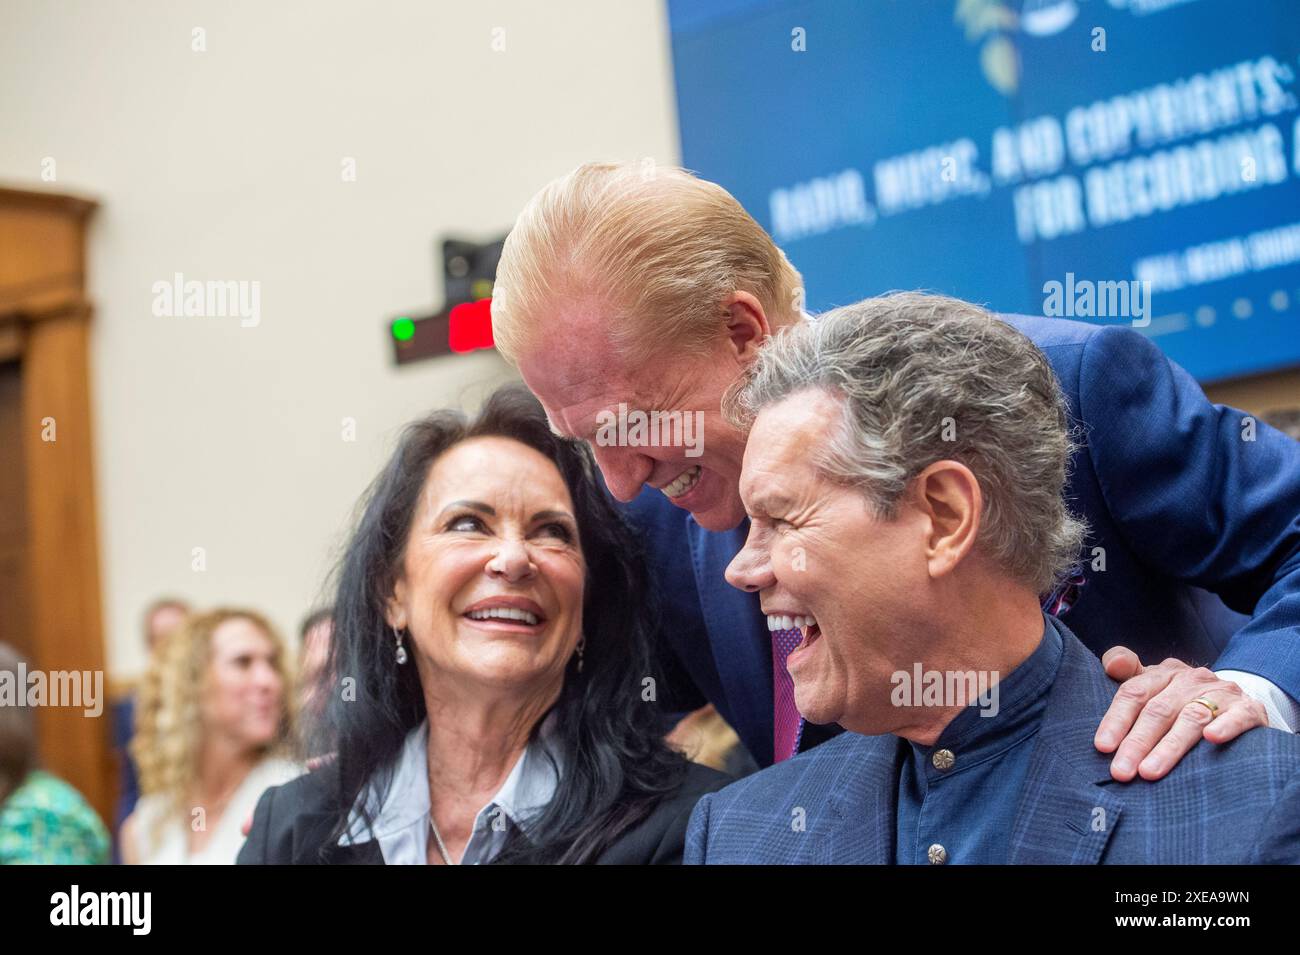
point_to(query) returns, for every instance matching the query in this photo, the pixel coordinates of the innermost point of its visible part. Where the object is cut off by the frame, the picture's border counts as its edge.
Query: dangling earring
(401, 650)
(582, 645)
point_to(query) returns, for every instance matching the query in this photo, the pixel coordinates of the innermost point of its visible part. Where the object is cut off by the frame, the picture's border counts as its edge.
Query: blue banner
(1118, 161)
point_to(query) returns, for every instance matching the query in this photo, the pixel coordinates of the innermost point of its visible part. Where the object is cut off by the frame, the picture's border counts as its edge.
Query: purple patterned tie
(787, 724)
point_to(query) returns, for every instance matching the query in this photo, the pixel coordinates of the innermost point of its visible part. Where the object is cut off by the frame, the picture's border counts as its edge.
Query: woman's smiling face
(243, 690)
(491, 583)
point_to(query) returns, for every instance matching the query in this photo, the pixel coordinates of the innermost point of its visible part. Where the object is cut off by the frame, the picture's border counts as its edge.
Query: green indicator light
(403, 329)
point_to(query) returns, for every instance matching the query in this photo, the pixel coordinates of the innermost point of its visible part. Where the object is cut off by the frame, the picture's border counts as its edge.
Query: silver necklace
(442, 848)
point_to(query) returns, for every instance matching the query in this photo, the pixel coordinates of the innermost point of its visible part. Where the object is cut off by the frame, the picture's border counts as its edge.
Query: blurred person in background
(162, 618)
(705, 737)
(43, 820)
(313, 678)
(314, 635)
(214, 727)
(492, 617)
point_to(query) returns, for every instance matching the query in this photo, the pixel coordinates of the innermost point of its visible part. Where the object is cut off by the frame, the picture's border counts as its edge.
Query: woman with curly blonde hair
(213, 727)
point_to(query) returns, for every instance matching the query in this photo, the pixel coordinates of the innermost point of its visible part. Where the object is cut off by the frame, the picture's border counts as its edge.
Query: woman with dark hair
(491, 669)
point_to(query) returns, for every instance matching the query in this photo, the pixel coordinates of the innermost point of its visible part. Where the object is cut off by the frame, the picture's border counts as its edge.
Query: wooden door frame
(45, 324)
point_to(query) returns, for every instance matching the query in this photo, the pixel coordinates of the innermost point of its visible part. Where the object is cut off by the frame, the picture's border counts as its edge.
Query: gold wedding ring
(1208, 704)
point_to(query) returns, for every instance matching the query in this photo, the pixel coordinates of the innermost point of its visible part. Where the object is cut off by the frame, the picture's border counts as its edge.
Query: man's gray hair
(924, 378)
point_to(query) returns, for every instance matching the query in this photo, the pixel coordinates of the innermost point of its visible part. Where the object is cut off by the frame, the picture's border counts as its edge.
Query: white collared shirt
(402, 825)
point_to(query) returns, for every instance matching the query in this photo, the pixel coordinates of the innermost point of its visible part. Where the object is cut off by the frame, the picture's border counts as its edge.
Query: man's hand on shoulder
(1156, 719)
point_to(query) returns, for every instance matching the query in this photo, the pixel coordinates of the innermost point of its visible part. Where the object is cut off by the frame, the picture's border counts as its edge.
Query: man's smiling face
(582, 379)
(819, 556)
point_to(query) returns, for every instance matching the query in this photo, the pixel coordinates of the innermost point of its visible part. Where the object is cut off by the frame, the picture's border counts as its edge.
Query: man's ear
(747, 325)
(948, 495)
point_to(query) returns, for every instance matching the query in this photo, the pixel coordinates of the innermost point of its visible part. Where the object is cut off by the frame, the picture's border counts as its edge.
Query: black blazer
(292, 822)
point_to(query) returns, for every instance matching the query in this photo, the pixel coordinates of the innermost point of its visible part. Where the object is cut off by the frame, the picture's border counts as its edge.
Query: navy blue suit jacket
(1177, 504)
(1228, 804)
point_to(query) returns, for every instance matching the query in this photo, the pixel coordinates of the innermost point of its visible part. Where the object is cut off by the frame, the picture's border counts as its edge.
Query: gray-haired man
(903, 480)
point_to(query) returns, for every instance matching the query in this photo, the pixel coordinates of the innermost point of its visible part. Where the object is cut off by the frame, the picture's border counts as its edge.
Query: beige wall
(226, 165)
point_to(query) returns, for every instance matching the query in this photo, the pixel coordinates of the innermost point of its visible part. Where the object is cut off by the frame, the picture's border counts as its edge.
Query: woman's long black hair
(616, 764)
